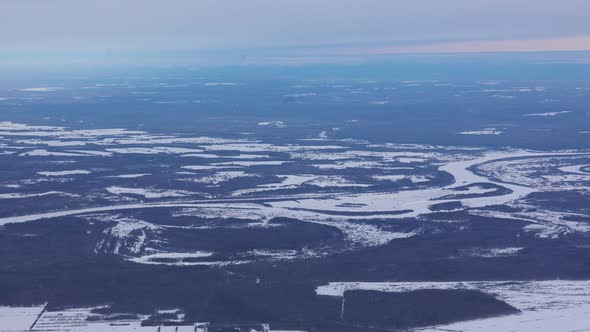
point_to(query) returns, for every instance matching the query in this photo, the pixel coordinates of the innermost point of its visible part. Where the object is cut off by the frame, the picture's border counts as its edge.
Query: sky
(293, 29)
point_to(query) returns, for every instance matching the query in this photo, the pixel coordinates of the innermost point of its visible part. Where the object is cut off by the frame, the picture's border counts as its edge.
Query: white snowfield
(575, 319)
(129, 176)
(250, 163)
(19, 319)
(553, 305)
(576, 169)
(154, 150)
(43, 89)
(62, 173)
(45, 153)
(147, 192)
(547, 114)
(174, 258)
(522, 170)
(37, 318)
(276, 124)
(23, 195)
(485, 131)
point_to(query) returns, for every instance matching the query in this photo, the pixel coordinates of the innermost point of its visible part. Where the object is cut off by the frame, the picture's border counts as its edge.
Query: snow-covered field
(553, 305)
(80, 319)
(18, 319)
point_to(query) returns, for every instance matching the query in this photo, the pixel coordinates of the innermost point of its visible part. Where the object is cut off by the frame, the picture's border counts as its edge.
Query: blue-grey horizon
(320, 27)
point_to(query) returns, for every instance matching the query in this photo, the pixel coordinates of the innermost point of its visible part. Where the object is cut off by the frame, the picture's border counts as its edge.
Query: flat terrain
(175, 199)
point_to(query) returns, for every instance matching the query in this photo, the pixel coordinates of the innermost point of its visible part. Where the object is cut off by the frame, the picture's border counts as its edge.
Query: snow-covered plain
(552, 305)
(29, 195)
(485, 131)
(337, 185)
(62, 173)
(84, 319)
(37, 318)
(43, 89)
(174, 258)
(18, 319)
(547, 113)
(130, 176)
(574, 319)
(147, 192)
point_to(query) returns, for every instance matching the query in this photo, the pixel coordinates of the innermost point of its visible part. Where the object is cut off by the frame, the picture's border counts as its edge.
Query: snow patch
(63, 173)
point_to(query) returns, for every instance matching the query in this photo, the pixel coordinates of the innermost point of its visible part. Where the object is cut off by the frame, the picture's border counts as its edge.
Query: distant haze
(420, 26)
